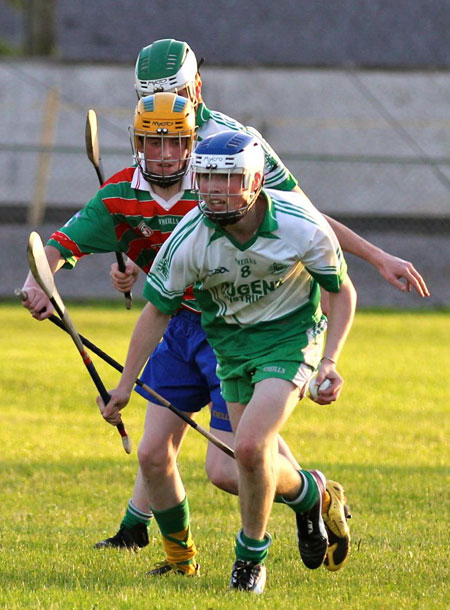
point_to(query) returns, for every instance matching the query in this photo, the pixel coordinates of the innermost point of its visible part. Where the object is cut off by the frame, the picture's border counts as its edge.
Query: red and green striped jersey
(123, 216)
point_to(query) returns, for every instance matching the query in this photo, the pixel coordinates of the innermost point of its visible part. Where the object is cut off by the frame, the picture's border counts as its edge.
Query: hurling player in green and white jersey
(256, 258)
(171, 65)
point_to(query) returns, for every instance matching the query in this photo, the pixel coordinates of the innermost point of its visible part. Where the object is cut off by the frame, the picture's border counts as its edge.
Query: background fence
(370, 148)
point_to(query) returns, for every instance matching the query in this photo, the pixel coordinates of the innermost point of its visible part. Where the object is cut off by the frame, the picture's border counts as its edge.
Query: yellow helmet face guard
(169, 118)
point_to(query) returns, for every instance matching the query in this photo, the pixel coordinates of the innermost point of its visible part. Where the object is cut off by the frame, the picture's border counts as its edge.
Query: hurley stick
(107, 358)
(43, 275)
(93, 153)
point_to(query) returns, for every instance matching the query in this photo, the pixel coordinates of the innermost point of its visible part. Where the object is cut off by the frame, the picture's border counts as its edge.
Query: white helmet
(230, 152)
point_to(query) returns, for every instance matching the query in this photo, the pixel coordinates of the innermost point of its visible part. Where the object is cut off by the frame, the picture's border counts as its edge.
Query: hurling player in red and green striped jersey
(134, 212)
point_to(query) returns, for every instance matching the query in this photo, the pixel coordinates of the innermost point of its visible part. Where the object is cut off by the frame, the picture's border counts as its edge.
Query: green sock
(173, 519)
(134, 516)
(176, 533)
(308, 496)
(250, 549)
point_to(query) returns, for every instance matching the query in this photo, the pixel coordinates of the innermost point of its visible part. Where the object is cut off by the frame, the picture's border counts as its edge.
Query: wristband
(329, 360)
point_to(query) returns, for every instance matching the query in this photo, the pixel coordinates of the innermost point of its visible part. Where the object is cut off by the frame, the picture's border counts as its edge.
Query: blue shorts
(183, 370)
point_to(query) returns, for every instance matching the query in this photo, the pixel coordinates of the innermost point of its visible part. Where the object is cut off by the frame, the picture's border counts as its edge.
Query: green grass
(65, 479)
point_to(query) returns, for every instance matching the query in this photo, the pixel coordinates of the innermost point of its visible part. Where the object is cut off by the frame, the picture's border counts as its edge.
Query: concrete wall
(256, 32)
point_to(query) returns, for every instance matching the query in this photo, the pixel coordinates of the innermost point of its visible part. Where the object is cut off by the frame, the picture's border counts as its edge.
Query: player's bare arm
(147, 333)
(37, 301)
(342, 306)
(398, 272)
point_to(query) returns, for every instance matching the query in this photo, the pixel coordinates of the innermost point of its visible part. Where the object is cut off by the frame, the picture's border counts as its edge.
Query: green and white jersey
(276, 174)
(249, 292)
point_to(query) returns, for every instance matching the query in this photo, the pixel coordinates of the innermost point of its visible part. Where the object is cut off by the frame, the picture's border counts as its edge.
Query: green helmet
(166, 65)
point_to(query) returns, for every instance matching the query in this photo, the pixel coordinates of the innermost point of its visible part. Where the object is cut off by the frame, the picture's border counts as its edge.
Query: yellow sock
(176, 536)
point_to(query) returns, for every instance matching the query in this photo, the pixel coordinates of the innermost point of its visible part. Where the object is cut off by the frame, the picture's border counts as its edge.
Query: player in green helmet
(171, 65)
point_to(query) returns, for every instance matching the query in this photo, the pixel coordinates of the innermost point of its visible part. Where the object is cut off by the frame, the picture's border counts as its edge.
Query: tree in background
(37, 19)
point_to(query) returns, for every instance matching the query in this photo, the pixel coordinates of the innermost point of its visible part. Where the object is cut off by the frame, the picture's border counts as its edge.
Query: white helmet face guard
(187, 90)
(227, 212)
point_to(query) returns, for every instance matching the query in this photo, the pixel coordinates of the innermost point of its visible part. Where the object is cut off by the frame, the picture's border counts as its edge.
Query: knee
(222, 472)
(249, 453)
(155, 459)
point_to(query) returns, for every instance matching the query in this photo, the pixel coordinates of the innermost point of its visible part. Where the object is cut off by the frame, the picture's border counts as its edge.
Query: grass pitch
(65, 478)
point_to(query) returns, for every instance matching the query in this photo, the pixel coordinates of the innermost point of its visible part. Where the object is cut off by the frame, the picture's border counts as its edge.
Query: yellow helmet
(165, 116)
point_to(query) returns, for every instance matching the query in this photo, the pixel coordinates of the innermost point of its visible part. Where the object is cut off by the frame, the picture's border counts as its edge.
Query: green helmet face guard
(166, 65)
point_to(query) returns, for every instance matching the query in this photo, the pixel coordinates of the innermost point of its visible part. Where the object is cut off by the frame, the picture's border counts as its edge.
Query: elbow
(348, 295)
(352, 295)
